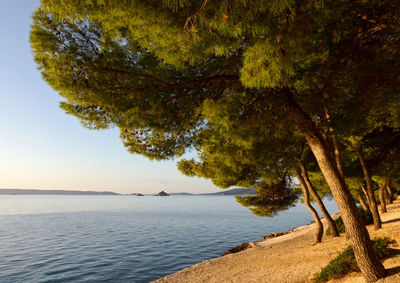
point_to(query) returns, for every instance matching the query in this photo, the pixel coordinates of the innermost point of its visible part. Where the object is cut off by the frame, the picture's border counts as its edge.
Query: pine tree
(148, 67)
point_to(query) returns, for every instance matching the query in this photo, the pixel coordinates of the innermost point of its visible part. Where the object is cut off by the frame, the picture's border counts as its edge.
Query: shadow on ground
(392, 220)
(394, 270)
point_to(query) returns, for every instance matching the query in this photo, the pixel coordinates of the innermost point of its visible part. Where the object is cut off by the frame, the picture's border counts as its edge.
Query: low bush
(365, 214)
(345, 262)
(381, 246)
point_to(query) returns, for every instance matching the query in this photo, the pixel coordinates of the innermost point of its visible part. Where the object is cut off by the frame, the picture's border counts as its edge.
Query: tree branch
(233, 79)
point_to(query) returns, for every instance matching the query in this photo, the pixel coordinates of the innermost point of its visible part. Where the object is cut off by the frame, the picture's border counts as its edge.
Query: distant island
(51, 192)
(237, 191)
(162, 194)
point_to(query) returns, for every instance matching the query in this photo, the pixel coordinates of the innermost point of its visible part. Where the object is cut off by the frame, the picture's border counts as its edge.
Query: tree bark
(388, 200)
(314, 194)
(382, 198)
(361, 200)
(336, 147)
(372, 203)
(319, 230)
(366, 195)
(389, 191)
(338, 157)
(369, 264)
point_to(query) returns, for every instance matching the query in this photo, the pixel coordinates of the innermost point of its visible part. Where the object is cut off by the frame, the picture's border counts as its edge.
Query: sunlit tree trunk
(338, 156)
(382, 198)
(389, 191)
(314, 194)
(388, 200)
(319, 229)
(366, 194)
(372, 203)
(361, 200)
(336, 147)
(369, 264)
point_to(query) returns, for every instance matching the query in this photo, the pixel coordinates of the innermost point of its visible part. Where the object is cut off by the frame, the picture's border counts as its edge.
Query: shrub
(342, 264)
(339, 224)
(345, 262)
(366, 216)
(381, 246)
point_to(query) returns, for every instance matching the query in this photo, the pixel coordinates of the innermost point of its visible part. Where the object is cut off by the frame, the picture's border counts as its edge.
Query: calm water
(124, 238)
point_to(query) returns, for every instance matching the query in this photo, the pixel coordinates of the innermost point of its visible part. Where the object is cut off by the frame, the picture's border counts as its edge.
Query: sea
(47, 238)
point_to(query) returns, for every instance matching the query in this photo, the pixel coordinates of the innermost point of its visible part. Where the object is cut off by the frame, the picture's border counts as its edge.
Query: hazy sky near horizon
(43, 148)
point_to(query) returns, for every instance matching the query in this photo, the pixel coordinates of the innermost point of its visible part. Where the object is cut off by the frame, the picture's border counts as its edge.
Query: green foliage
(345, 262)
(366, 216)
(109, 80)
(339, 224)
(155, 69)
(239, 149)
(270, 198)
(381, 246)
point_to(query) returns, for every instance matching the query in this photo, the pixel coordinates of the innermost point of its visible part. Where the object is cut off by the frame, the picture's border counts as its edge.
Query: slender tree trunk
(372, 203)
(389, 191)
(338, 156)
(382, 198)
(387, 197)
(336, 148)
(319, 230)
(369, 264)
(361, 200)
(314, 194)
(366, 195)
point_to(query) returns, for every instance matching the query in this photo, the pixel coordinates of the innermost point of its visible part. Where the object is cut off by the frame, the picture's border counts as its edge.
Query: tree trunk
(336, 147)
(369, 264)
(382, 198)
(361, 200)
(366, 195)
(372, 203)
(314, 194)
(388, 200)
(338, 157)
(389, 191)
(319, 231)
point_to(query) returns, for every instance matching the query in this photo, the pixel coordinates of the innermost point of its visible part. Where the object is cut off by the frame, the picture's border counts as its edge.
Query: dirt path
(288, 258)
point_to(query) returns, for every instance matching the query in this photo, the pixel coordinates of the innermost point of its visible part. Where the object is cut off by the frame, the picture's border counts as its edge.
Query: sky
(43, 148)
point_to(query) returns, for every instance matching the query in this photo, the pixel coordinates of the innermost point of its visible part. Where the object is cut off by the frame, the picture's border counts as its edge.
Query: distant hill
(51, 192)
(234, 192)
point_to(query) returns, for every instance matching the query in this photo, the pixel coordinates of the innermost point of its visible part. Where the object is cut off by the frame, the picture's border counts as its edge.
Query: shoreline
(289, 258)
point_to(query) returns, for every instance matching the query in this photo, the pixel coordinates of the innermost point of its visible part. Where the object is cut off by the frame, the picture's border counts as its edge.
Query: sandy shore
(290, 258)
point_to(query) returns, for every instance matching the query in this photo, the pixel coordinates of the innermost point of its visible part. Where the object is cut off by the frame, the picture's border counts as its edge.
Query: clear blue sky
(43, 148)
